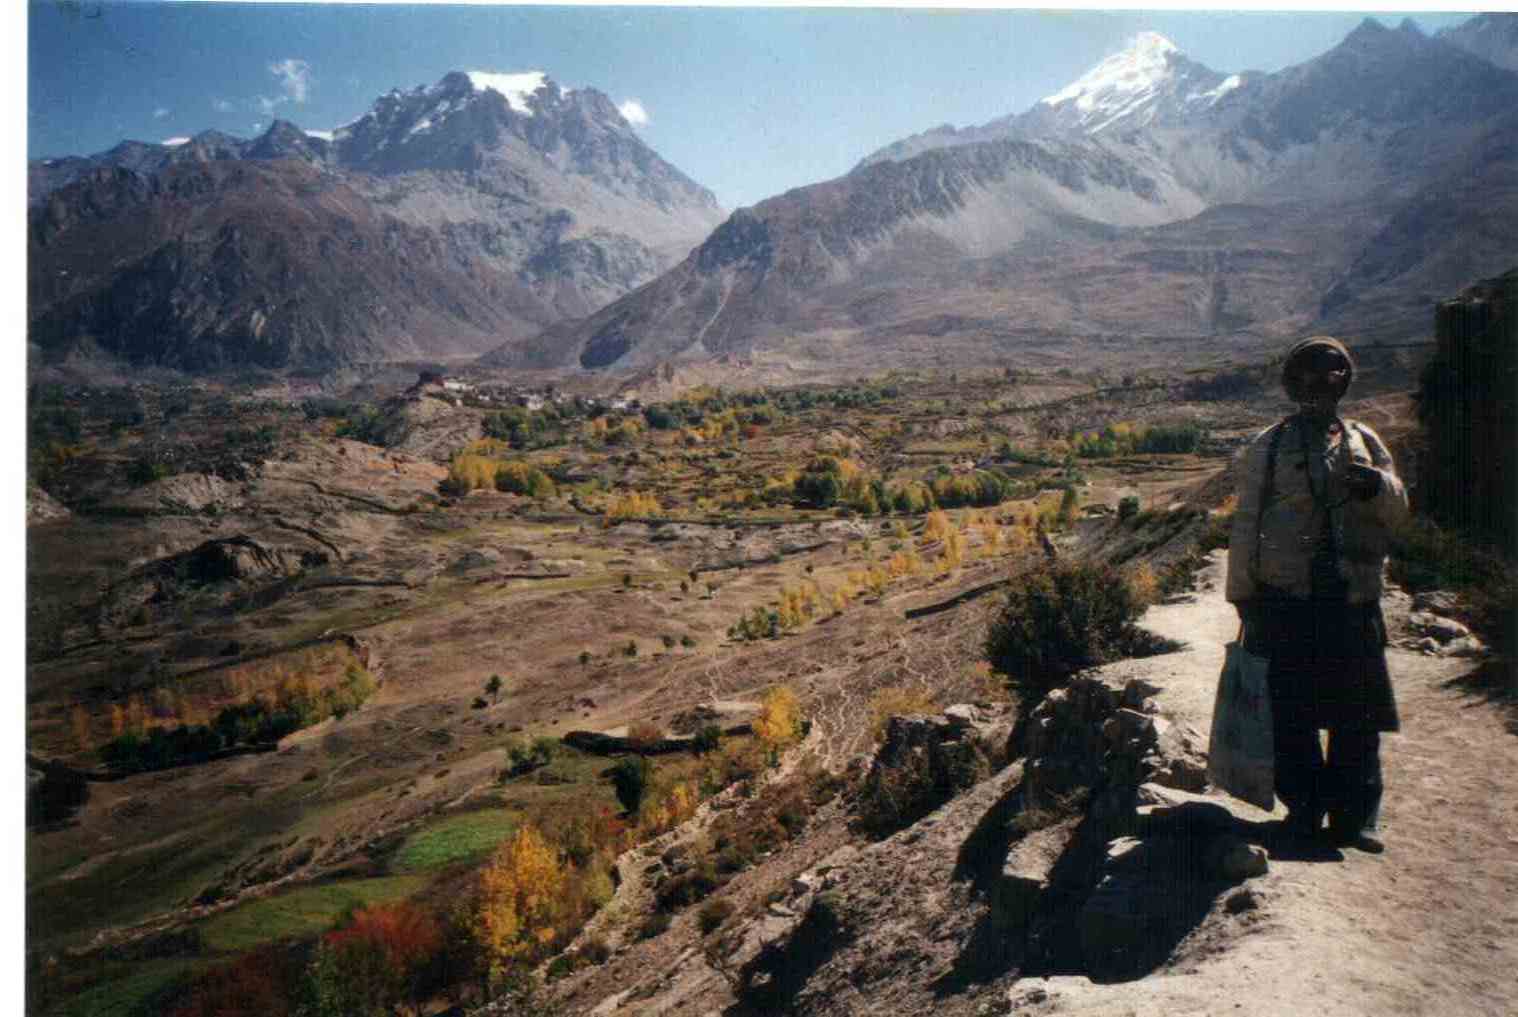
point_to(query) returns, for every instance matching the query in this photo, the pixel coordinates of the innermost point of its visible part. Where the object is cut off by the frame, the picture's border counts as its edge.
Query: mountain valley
(471, 573)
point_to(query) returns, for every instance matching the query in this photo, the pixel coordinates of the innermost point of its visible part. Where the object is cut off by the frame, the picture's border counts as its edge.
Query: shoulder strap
(1267, 486)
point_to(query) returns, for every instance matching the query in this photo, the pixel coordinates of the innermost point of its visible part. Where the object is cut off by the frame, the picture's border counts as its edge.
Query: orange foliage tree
(257, 984)
(518, 902)
(377, 962)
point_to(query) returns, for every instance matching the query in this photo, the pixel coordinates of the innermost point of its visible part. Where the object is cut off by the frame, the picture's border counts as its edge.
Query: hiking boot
(1357, 839)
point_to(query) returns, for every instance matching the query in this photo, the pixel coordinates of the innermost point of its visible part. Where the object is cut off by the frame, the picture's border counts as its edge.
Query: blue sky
(749, 102)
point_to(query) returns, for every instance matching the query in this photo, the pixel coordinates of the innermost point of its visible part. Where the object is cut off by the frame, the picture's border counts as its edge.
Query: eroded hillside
(267, 635)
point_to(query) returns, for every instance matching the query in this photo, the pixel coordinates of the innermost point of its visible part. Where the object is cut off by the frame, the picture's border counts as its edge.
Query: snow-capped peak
(1119, 83)
(515, 87)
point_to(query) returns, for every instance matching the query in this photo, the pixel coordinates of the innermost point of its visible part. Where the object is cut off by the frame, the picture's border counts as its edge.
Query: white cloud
(222, 105)
(258, 125)
(633, 112)
(294, 77)
(267, 106)
(160, 113)
(172, 142)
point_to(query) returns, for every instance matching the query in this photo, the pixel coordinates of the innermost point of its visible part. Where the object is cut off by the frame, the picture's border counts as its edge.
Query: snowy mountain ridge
(1131, 87)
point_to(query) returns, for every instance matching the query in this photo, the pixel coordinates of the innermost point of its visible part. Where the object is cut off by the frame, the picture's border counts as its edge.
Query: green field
(469, 836)
(305, 911)
(125, 993)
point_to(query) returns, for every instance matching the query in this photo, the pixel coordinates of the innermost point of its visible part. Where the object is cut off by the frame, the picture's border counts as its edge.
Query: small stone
(1437, 601)
(1121, 847)
(962, 715)
(1465, 646)
(804, 884)
(1137, 690)
(1231, 858)
(1441, 628)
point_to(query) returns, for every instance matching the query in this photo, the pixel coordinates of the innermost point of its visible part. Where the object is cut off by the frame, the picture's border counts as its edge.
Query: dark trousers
(1327, 673)
(1346, 786)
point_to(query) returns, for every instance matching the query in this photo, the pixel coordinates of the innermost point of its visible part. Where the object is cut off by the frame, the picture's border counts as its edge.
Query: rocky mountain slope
(1154, 198)
(442, 222)
(1493, 37)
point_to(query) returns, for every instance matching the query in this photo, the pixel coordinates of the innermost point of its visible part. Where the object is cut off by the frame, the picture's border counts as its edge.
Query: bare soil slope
(1425, 928)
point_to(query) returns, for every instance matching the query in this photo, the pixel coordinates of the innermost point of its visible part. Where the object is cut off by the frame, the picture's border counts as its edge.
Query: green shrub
(522, 478)
(713, 913)
(654, 925)
(594, 951)
(760, 623)
(1128, 507)
(687, 888)
(1059, 618)
(630, 779)
(523, 758)
(893, 797)
(145, 470)
(1426, 557)
(453, 487)
(708, 739)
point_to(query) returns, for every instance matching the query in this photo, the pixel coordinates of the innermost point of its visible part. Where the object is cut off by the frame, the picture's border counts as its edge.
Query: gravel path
(1429, 927)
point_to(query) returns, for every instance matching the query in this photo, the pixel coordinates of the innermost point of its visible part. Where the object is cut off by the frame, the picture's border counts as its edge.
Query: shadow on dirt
(770, 982)
(1118, 899)
(1492, 681)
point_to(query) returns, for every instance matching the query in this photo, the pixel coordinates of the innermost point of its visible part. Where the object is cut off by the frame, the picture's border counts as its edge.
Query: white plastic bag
(1241, 749)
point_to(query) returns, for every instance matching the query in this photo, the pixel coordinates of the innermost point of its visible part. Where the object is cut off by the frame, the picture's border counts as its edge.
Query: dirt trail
(1429, 927)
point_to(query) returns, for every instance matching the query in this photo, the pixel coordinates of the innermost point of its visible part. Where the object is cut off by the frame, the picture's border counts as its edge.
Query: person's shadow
(1111, 919)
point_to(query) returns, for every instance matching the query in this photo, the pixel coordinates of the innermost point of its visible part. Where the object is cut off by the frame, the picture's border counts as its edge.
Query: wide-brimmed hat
(1301, 350)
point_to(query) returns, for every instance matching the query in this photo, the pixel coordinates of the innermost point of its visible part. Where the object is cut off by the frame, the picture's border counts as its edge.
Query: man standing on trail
(1318, 499)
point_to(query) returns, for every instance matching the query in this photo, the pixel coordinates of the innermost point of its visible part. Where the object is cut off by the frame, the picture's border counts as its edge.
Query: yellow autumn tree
(797, 605)
(779, 720)
(667, 808)
(472, 472)
(632, 504)
(519, 900)
(953, 547)
(937, 524)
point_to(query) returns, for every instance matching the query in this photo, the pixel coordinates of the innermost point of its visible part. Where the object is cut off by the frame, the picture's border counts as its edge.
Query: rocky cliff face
(1152, 198)
(444, 221)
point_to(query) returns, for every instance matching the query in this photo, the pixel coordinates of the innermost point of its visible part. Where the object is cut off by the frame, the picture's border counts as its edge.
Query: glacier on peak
(1227, 85)
(1116, 82)
(514, 87)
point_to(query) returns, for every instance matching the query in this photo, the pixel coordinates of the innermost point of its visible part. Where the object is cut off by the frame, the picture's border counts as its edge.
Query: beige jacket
(1291, 524)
